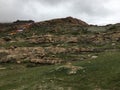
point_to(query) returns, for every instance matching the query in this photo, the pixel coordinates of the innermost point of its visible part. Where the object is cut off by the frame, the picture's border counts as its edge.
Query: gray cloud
(92, 11)
(90, 8)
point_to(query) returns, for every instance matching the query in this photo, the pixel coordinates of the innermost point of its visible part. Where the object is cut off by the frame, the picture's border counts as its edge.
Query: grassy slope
(102, 73)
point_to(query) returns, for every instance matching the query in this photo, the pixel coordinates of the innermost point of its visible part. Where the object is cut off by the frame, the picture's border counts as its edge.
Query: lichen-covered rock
(47, 60)
(55, 50)
(72, 40)
(2, 41)
(71, 69)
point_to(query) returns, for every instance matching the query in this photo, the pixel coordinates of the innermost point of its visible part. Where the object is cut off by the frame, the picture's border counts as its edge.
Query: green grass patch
(102, 73)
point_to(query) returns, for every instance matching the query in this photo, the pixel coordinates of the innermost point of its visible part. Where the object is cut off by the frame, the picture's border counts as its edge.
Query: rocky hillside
(63, 21)
(56, 41)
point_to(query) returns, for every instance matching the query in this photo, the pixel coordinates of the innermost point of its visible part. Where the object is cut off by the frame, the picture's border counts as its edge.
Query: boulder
(71, 69)
(94, 57)
(55, 50)
(72, 40)
(47, 60)
(2, 41)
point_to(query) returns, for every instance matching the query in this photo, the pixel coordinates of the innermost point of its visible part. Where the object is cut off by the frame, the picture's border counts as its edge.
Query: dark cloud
(92, 11)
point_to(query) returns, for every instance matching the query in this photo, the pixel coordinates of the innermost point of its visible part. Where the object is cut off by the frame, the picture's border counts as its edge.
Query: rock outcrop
(62, 21)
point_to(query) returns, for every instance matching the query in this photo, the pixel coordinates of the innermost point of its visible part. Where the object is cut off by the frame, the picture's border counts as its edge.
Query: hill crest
(63, 21)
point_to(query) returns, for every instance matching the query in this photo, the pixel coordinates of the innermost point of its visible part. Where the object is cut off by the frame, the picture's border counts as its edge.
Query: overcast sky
(92, 11)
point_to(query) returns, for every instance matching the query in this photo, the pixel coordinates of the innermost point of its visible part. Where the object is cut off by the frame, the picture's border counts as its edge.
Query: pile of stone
(28, 54)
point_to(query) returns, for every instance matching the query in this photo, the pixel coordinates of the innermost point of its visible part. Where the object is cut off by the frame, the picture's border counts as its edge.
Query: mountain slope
(102, 73)
(64, 21)
(57, 41)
